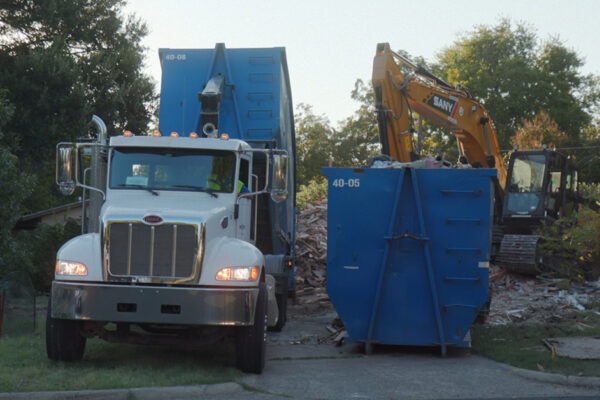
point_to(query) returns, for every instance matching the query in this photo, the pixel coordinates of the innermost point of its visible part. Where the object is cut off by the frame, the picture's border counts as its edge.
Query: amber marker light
(127, 133)
(224, 136)
(224, 274)
(254, 273)
(156, 133)
(174, 134)
(193, 135)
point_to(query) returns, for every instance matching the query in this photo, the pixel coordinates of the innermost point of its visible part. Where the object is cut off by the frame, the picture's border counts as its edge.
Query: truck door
(243, 223)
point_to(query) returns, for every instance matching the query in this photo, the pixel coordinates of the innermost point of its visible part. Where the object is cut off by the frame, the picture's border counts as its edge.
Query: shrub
(573, 245)
(315, 190)
(38, 251)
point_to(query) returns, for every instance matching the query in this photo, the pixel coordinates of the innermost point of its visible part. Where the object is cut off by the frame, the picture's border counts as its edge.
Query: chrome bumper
(153, 304)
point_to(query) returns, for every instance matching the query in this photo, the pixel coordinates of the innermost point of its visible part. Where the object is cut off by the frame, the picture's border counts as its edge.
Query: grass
(521, 345)
(24, 366)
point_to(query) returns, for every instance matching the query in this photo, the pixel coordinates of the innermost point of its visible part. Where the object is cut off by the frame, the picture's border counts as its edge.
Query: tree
(16, 186)
(62, 61)
(541, 130)
(313, 143)
(357, 140)
(516, 76)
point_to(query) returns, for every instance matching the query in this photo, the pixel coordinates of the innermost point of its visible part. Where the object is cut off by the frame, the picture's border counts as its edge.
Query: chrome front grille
(166, 252)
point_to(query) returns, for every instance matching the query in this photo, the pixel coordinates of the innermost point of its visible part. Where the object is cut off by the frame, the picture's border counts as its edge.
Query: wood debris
(521, 299)
(311, 253)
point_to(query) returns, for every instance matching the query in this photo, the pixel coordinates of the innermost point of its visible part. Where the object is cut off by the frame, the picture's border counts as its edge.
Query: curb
(149, 393)
(558, 379)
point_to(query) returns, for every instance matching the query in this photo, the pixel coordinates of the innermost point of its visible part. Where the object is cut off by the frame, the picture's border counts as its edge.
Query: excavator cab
(541, 184)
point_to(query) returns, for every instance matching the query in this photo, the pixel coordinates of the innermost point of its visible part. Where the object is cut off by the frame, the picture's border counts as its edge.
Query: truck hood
(171, 206)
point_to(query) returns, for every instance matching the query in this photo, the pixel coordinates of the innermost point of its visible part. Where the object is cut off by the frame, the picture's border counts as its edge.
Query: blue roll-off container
(255, 106)
(408, 253)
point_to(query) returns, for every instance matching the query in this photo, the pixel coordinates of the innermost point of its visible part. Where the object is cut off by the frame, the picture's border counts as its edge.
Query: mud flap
(272, 309)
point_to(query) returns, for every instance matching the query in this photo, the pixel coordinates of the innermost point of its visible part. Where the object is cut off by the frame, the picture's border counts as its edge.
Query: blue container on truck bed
(255, 105)
(408, 252)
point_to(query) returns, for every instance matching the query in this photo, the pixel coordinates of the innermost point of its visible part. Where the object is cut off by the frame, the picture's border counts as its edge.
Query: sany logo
(444, 104)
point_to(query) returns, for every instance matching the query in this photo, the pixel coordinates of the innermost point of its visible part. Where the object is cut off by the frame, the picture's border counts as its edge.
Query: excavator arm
(396, 96)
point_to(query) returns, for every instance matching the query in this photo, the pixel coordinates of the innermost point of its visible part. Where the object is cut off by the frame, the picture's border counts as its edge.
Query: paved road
(312, 371)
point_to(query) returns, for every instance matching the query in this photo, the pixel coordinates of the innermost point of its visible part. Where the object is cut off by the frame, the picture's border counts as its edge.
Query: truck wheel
(251, 341)
(282, 318)
(64, 341)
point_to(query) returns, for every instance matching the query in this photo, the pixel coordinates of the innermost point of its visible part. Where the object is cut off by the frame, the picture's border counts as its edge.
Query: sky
(331, 43)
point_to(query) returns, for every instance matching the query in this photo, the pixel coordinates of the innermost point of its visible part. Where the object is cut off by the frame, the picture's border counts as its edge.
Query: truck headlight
(238, 274)
(70, 268)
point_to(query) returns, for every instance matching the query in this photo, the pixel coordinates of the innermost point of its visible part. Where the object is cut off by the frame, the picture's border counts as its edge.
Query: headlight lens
(70, 268)
(238, 274)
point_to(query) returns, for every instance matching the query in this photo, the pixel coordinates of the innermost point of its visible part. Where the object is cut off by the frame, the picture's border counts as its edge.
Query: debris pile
(519, 299)
(311, 253)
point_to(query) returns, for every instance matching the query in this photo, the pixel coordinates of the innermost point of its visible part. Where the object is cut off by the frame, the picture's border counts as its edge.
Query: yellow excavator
(537, 185)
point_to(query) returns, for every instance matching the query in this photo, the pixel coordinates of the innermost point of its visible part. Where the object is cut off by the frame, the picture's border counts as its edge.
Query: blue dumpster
(408, 252)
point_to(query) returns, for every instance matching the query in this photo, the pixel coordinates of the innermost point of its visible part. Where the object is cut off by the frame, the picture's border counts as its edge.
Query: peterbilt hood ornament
(152, 219)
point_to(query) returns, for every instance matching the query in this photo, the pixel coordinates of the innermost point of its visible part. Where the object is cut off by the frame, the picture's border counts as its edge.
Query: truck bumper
(153, 304)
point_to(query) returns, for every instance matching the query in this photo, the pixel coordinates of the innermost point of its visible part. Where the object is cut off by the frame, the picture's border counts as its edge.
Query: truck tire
(282, 317)
(251, 341)
(64, 341)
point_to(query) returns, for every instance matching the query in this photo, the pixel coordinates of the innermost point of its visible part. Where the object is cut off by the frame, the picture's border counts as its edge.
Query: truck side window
(244, 173)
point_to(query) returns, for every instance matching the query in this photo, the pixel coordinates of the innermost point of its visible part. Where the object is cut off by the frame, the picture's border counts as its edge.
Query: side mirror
(280, 178)
(65, 168)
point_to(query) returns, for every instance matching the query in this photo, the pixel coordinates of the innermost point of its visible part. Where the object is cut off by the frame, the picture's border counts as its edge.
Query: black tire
(251, 341)
(64, 341)
(282, 317)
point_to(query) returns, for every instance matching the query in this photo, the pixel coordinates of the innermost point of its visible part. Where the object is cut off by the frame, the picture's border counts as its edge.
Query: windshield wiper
(154, 192)
(198, 188)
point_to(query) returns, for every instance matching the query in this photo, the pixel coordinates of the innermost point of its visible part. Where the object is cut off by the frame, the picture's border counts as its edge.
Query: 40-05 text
(341, 182)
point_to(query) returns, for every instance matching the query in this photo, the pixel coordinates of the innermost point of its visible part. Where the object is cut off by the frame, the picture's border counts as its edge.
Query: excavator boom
(453, 109)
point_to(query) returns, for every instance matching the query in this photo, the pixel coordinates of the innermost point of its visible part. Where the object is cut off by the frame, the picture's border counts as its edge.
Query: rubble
(311, 253)
(520, 299)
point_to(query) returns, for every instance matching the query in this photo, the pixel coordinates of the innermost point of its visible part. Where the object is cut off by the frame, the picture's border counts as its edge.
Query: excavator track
(519, 253)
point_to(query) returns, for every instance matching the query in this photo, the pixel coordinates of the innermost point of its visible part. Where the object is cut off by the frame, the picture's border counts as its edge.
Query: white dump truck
(188, 234)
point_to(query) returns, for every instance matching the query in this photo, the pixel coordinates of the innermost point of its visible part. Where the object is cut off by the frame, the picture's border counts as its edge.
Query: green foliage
(572, 245)
(516, 76)
(313, 143)
(62, 61)
(357, 140)
(319, 145)
(16, 186)
(315, 190)
(38, 251)
(590, 191)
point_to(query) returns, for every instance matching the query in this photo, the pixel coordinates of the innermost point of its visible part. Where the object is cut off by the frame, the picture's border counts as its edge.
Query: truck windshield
(526, 182)
(172, 169)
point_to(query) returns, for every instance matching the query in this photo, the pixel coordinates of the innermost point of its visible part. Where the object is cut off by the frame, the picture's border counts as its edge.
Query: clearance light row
(175, 134)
